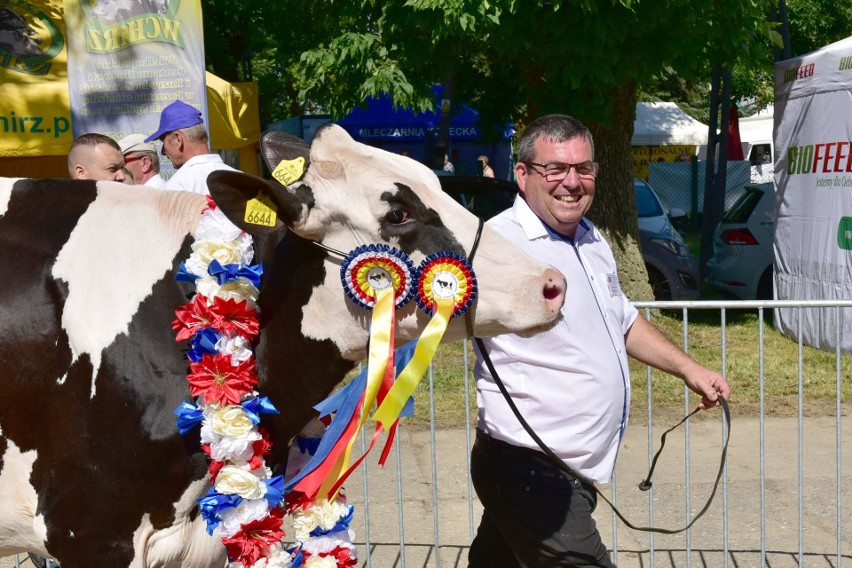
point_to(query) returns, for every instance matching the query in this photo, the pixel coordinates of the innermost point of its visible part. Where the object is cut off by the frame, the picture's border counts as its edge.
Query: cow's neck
(295, 372)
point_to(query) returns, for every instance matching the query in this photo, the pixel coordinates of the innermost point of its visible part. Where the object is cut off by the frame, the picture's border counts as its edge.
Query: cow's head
(350, 194)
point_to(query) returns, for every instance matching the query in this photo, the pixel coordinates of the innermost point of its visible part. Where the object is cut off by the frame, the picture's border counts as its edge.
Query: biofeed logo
(822, 158)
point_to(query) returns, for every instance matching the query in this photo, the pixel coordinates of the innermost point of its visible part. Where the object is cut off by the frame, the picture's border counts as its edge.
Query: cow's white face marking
(106, 281)
(347, 182)
(6, 193)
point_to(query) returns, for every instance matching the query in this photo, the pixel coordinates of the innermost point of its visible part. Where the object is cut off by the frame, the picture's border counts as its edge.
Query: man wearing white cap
(141, 159)
(185, 143)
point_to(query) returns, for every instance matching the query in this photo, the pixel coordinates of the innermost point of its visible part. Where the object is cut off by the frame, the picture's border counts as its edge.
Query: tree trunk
(614, 208)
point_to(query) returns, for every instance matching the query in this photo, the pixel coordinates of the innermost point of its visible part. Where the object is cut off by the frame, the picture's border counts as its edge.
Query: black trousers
(536, 516)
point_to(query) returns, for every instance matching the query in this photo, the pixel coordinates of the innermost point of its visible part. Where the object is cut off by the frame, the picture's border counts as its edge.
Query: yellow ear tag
(288, 171)
(260, 211)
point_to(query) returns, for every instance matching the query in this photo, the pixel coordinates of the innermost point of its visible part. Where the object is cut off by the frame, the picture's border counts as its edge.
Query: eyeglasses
(558, 171)
(128, 159)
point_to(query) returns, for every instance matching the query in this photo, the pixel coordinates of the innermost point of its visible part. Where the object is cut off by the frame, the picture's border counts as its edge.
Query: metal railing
(781, 501)
(784, 500)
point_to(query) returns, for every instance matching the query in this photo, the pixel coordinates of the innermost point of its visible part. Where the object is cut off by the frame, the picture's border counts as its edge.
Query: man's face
(103, 162)
(138, 164)
(172, 148)
(560, 204)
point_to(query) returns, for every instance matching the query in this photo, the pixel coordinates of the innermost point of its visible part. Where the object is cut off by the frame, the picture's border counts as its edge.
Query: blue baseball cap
(174, 117)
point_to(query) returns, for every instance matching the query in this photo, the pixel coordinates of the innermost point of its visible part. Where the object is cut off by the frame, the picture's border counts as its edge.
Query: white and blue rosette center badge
(370, 269)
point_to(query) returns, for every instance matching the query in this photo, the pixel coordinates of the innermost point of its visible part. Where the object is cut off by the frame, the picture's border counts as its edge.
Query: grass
(704, 343)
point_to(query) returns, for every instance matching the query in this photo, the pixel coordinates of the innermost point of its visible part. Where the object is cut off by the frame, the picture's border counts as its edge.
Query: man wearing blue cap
(185, 143)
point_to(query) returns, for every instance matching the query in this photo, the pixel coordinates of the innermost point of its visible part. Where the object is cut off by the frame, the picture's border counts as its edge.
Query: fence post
(693, 186)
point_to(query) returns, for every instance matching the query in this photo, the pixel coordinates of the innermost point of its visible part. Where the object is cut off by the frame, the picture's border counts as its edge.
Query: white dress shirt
(192, 175)
(572, 383)
(156, 181)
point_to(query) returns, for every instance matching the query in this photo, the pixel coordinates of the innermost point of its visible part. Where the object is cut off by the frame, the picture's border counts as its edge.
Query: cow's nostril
(552, 292)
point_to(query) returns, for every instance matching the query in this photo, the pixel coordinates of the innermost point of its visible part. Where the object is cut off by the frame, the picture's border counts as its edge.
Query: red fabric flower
(215, 378)
(254, 539)
(261, 448)
(192, 316)
(211, 205)
(235, 316)
(214, 469)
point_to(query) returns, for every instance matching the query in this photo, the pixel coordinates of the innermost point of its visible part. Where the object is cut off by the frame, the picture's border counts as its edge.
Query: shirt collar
(534, 228)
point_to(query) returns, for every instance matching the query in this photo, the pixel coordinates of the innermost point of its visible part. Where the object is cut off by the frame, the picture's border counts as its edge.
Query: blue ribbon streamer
(188, 415)
(296, 561)
(256, 406)
(229, 272)
(212, 504)
(203, 343)
(343, 405)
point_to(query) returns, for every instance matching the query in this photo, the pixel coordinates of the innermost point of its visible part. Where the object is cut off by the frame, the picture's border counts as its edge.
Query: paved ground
(739, 532)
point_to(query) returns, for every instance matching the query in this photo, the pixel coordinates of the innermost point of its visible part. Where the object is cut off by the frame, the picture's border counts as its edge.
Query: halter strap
(468, 316)
(645, 484)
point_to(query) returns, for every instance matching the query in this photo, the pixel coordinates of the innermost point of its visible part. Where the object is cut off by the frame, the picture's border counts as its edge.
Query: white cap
(136, 143)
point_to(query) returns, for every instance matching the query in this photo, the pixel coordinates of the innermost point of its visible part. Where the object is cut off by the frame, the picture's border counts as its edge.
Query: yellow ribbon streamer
(424, 351)
(377, 362)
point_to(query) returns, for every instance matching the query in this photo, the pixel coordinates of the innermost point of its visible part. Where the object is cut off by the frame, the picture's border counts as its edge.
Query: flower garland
(245, 506)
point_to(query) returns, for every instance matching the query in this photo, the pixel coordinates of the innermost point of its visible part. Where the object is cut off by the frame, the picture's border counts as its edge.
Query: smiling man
(572, 383)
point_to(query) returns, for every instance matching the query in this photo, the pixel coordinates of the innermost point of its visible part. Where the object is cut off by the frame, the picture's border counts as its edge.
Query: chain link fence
(681, 184)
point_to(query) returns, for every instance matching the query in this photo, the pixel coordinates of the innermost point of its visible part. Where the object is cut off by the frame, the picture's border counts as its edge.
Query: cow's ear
(277, 147)
(253, 204)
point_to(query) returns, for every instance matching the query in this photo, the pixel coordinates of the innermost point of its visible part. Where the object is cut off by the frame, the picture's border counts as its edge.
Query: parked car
(741, 266)
(484, 197)
(672, 270)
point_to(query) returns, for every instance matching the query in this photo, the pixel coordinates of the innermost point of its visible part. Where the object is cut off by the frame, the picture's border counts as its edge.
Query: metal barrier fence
(784, 500)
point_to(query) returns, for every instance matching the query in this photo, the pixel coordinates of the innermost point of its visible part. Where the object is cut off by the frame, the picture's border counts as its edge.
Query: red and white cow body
(92, 468)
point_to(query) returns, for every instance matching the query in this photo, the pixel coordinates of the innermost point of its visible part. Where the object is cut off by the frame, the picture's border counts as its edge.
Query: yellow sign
(34, 109)
(643, 155)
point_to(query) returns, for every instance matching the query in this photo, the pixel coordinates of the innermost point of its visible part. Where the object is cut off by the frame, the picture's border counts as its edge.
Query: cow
(92, 468)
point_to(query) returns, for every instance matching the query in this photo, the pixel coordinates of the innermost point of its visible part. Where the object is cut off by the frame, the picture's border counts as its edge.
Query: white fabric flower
(236, 480)
(322, 514)
(230, 420)
(215, 226)
(321, 562)
(247, 511)
(237, 251)
(238, 290)
(238, 347)
(326, 543)
(226, 448)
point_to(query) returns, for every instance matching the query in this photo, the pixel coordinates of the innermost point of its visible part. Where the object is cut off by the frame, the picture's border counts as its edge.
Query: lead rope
(646, 483)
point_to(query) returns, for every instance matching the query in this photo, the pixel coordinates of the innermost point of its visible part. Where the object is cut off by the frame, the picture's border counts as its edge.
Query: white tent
(813, 177)
(757, 129)
(664, 124)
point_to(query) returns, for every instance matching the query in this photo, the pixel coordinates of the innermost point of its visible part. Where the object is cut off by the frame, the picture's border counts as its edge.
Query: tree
(511, 60)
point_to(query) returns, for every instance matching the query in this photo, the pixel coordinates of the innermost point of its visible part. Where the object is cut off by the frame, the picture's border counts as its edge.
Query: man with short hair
(571, 383)
(141, 159)
(185, 143)
(97, 157)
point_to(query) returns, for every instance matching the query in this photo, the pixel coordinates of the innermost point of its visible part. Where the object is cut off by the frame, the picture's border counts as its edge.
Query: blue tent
(401, 129)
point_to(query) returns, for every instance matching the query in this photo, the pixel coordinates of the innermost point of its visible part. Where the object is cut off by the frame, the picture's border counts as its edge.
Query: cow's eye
(397, 215)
